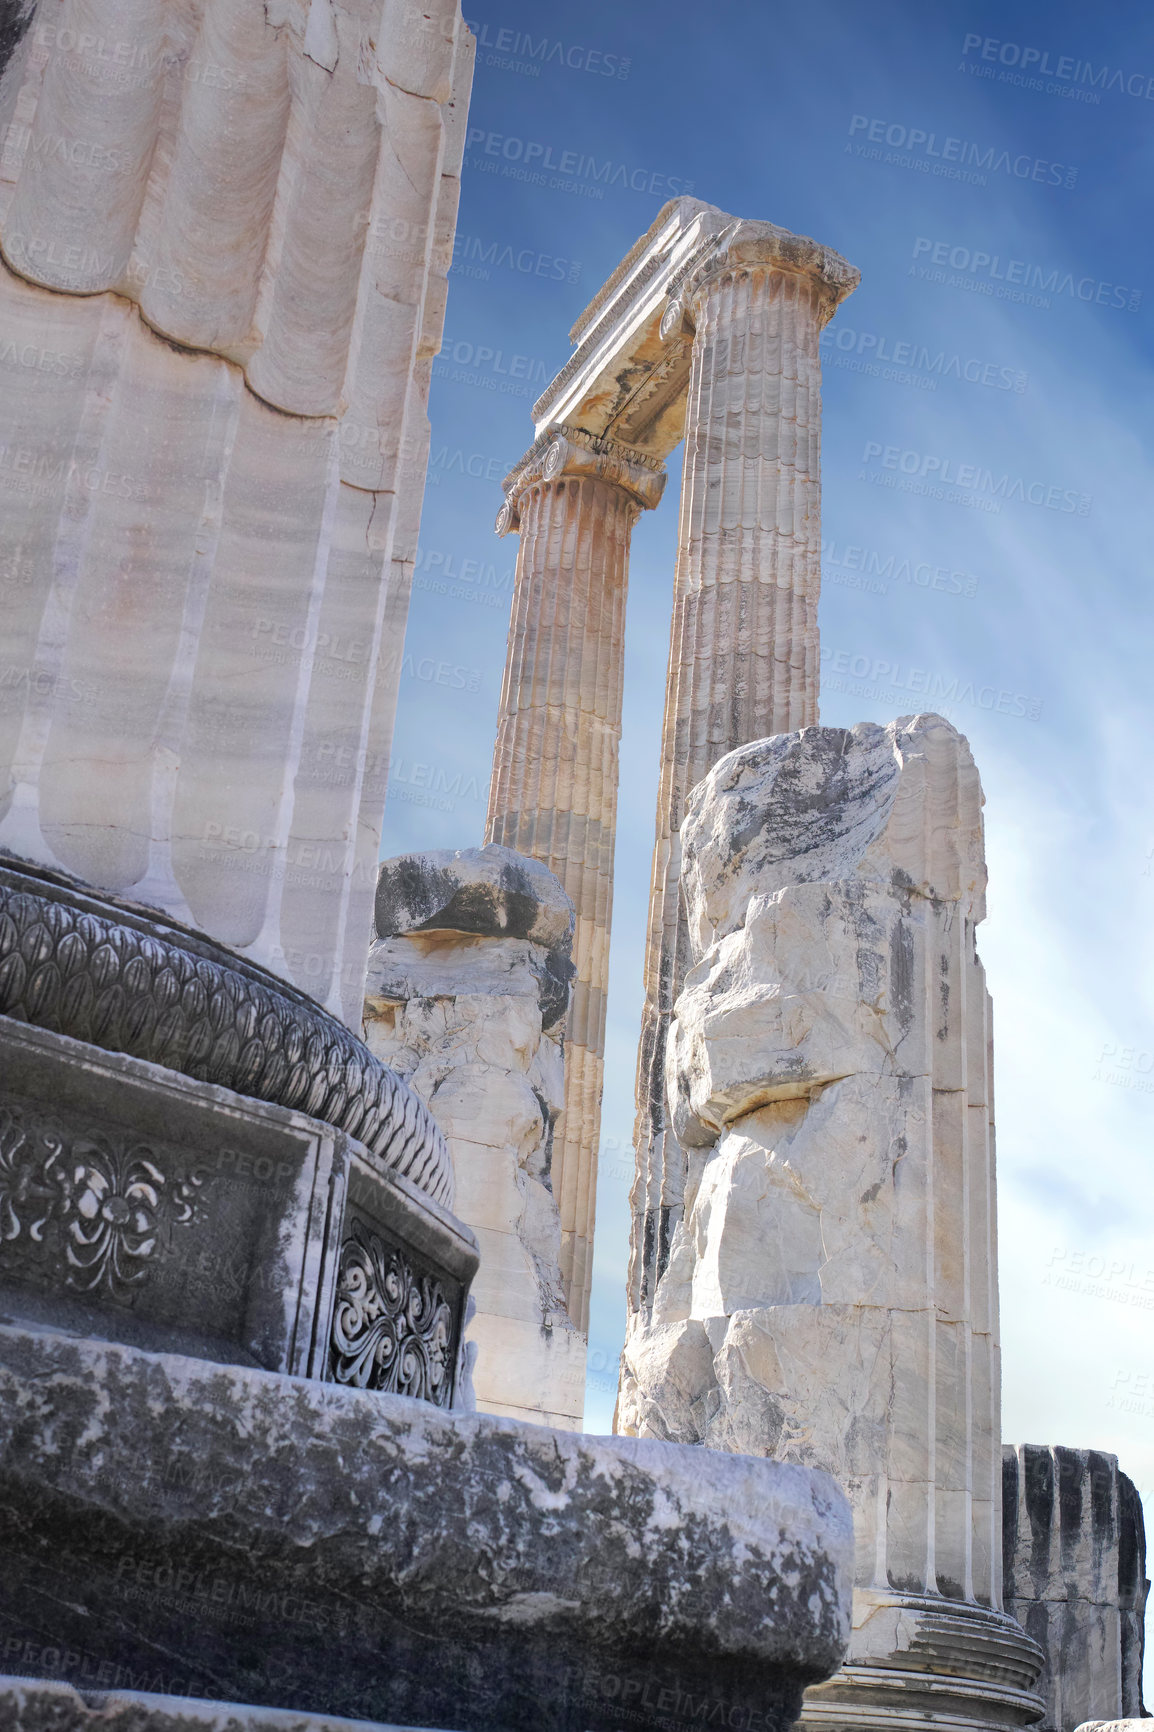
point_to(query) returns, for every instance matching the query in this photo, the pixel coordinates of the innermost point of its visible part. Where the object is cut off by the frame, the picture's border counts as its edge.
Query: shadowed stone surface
(124, 977)
(492, 890)
(27, 1705)
(267, 1539)
(1074, 1547)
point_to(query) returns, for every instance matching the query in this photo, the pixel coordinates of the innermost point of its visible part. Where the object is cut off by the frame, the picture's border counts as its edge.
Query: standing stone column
(743, 657)
(831, 1293)
(574, 499)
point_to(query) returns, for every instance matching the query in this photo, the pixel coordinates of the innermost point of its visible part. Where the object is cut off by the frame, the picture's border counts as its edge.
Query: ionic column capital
(746, 247)
(562, 452)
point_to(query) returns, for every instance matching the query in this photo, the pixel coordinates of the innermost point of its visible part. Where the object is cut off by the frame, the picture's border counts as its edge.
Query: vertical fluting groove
(554, 788)
(743, 646)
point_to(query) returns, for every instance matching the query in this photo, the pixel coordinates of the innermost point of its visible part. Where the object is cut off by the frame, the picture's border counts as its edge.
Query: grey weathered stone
(1074, 1546)
(1141, 1725)
(34, 1705)
(138, 1205)
(493, 890)
(269, 1540)
(130, 979)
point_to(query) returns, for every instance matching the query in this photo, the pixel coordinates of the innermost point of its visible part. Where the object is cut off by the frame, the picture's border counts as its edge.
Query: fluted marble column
(553, 795)
(743, 657)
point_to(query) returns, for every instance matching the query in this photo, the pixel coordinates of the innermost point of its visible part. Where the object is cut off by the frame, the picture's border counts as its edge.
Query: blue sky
(987, 528)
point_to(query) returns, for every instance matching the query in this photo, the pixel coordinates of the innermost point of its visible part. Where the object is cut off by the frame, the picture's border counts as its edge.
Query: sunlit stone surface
(468, 989)
(707, 330)
(831, 1289)
(225, 230)
(574, 500)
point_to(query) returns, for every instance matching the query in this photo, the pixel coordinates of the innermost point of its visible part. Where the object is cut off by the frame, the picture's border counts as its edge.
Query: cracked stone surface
(264, 1540)
(829, 1296)
(468, 988)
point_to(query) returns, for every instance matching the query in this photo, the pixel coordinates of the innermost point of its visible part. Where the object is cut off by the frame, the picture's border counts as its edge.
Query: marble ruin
(212, 491)
(817, 1027)
(830, 1295)
(242, 1481)
(298, 1150)
(468, 991)
(1075, 1579)
(707, 332)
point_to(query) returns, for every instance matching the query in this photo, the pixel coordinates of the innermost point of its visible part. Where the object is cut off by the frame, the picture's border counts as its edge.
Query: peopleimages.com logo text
(529, 53)
(1021, 274)
(961, 152)
(974, 479)
(571, 165)
(1066, 68)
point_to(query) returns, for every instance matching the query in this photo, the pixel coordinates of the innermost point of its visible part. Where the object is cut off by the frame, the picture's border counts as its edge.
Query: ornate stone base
(197, 1158)
(917, 1662)
(139, 1206)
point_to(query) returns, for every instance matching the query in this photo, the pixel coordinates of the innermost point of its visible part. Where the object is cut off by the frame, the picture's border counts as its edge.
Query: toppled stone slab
(32, 1705)
(266, 1540)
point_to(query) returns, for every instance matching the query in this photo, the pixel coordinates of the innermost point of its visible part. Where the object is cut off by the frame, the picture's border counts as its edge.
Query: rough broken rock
(468, 985)
(266, 1540)
(828, 1294)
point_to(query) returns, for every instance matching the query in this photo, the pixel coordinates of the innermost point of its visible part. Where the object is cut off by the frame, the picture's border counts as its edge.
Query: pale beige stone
(553, 794)
(211, 546)
(756, 297)
(743, 658)
(828, 1074)
(473, 1020)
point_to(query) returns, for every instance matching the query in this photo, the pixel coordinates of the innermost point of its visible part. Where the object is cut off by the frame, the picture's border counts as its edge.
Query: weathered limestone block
(468, 990)
(1075, 1578)
(225, 230)
(226, 1533)
(829, 1293)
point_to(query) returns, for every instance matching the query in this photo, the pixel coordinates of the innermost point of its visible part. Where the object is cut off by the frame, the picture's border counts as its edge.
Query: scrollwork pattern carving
(114, 1205)
(392, 1326)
